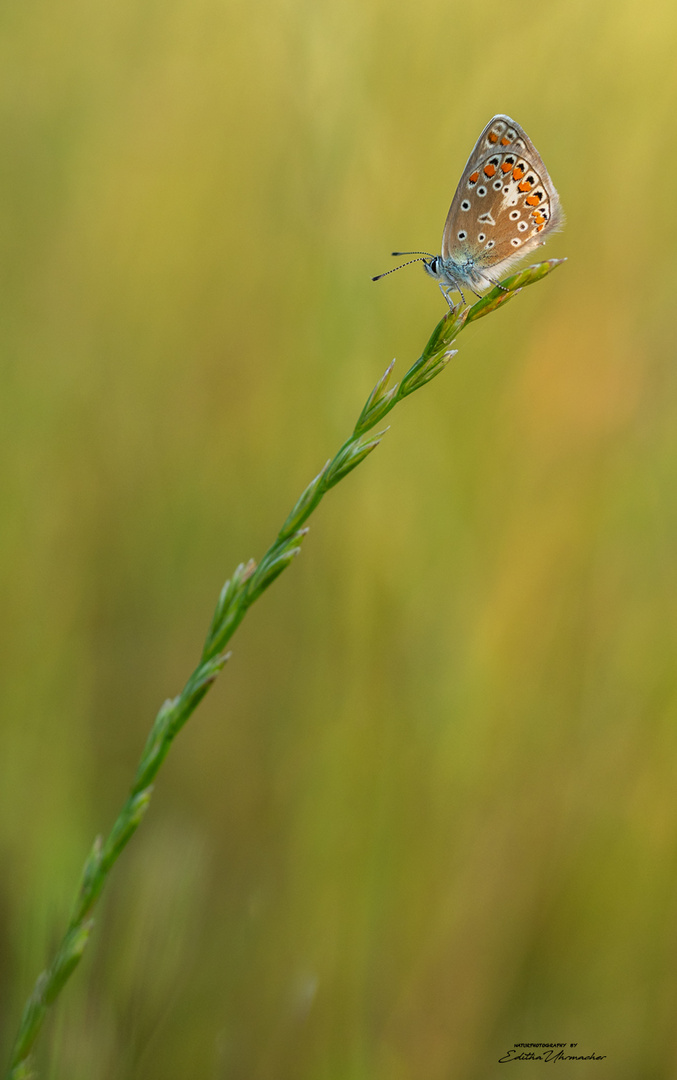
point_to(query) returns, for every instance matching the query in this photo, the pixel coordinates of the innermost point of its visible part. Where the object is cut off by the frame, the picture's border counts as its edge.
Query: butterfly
(505, 206)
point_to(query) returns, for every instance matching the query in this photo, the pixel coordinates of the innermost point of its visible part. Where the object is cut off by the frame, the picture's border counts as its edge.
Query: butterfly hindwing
(504, 204)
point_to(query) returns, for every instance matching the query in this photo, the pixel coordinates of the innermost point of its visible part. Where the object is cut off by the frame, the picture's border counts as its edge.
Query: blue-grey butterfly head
(433, 266)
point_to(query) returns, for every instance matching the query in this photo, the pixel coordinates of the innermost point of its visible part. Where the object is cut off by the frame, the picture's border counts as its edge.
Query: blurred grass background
(429, 810)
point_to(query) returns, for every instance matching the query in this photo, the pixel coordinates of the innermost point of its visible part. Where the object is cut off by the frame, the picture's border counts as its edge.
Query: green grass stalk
(245, 586)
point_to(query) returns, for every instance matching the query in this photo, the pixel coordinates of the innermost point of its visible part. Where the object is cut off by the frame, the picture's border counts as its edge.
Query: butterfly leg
(445, 293)
(446, 289)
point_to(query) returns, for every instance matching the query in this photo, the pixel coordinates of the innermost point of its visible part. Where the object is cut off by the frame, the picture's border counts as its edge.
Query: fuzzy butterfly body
(505, 206)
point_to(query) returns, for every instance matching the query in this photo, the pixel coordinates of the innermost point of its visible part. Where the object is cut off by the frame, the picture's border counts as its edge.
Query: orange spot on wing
(538, 218)
(489, 170)
(493, 137)
(517, 173)
(533, 200)
(540, 228)
(524, 186)
(505, 142)
(474, 178)
(505, 167)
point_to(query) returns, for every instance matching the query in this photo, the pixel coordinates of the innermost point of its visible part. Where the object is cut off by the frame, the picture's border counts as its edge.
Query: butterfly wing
(505, 204)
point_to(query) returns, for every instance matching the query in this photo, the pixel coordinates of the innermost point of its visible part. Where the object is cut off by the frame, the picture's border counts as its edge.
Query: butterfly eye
(462, 235)
(522, 226)
(515, 242)
(481, 191)
(465, 205)
(498, 184)
(514, 214)
(481, 238)
(490, 245)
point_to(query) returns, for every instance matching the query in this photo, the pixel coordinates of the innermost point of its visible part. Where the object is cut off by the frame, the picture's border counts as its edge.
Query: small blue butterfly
(505, 206)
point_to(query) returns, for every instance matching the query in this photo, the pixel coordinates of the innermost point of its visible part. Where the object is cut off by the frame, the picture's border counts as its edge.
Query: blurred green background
(429, 810)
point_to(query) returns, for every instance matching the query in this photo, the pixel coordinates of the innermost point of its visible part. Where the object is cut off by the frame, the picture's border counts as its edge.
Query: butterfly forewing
(504, 204)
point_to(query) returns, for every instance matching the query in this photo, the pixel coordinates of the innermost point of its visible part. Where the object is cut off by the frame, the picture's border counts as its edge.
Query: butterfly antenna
(398, 253)
(379, 276)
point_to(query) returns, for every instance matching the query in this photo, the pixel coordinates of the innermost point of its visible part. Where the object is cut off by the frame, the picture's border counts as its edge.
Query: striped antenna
(398, 253)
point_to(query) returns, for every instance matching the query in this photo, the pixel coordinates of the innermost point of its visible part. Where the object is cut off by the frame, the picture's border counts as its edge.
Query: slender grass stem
(245, 586)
